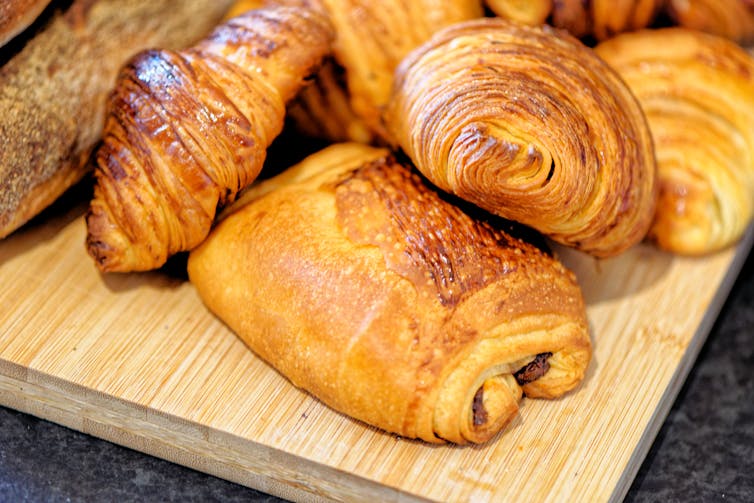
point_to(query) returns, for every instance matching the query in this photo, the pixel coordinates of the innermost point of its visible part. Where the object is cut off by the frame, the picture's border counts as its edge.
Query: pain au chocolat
(358, 282)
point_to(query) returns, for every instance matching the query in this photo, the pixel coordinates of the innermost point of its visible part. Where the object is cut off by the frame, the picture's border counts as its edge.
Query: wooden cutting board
(137, 360)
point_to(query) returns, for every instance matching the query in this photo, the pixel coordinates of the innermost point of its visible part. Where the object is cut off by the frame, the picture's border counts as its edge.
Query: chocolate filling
(533, 370)
(480, 413)
(528, 373)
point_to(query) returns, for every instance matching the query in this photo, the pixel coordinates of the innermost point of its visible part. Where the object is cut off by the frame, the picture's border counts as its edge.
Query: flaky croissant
(346, 101)
(697, 91)
(531, 125)
(187, 130)
(530, 12)
(603, 19)
(733, 19)
(360, 284)
(600, 19)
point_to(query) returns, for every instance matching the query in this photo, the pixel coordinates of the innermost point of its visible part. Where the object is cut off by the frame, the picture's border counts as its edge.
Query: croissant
(697, 91)
(346, 101)
(187, 130)
(603, 19)
(733, 19)
(600, 19)
(530, 12)
(17, 15)
(529, 124)
(361, 285)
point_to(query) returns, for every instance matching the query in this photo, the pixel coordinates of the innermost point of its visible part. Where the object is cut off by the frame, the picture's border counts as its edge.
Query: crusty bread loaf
(17, 15)
(53, 89)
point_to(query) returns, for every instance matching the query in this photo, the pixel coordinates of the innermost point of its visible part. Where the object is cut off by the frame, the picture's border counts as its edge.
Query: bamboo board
(137, 360)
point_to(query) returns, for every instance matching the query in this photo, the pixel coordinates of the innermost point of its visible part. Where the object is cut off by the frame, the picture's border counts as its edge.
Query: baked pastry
(600, 19)
(603, 19)
(346, 100)
(187, 130)
(733, 19)
(17, 15)
(529, 124)
(54, 81)
(697, 92)
(530, 12)
(363, 286)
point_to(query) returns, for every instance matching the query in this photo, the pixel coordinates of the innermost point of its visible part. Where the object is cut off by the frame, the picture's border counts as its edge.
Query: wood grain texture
(137, 360)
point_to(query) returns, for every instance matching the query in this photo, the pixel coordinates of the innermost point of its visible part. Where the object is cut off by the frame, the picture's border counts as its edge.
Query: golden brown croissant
(697, 91)
(187, 130)
(55, 77)
(601, 19)
(604, 18)
(363, 286)
(531, 125)
(733, 19)
(345, 103)
(530, 12)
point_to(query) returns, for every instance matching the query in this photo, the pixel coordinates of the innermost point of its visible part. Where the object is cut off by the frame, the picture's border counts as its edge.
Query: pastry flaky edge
(360, 284)
(697, 92)
(187, 130)
(529, 124)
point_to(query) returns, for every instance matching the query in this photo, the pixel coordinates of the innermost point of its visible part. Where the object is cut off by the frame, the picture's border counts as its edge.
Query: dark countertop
(704, 451)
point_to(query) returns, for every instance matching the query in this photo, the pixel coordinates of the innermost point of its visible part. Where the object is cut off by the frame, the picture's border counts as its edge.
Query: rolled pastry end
(481, 395)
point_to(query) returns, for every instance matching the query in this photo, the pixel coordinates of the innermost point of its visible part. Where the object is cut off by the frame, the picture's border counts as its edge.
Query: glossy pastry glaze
(187, 130)
(697, 91)
(362, 285)
(531, 125)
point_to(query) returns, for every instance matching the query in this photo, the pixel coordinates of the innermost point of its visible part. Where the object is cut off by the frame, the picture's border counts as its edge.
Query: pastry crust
(361, 285)
(372, 38)
(733, 19)
(17, 15)
(53, 86)
(529, 12)
(188, 129)
(697, 92)
(600, 19)
(529, 124)
(603, 19)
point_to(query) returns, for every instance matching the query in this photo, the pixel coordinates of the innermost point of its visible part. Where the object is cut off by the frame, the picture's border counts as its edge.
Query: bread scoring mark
(440, 248)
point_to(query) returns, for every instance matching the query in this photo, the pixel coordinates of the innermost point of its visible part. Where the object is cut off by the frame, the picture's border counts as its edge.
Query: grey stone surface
(704, 451)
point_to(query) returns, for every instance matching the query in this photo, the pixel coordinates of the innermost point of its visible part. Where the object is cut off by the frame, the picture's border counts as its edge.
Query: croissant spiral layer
(697, 91)
(531, 125)
(188, 129)
(359, 283)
